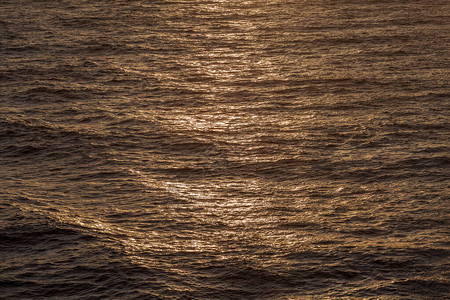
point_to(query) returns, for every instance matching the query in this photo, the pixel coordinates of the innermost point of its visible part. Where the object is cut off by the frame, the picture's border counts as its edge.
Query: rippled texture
(224, 149)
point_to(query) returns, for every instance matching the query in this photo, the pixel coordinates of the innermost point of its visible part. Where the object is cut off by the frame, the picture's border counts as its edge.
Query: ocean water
(213, 149)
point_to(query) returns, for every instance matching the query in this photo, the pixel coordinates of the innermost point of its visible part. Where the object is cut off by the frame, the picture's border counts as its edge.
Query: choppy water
(224, 149)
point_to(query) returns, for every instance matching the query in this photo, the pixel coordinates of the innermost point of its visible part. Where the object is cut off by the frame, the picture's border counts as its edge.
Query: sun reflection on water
(205, 214)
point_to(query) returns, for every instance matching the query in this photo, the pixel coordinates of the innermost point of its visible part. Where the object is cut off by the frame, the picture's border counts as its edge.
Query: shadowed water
(224, 149)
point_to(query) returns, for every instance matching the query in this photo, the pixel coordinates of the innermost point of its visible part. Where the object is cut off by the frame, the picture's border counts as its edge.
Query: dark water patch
(43, 259)
(416, 288)
(20, 151)
(24, 229)
(89, 23)
(187, 147)
(105, 277)
(132, 124)
(421, 163)
(411, 129)
(36, 130)
(239, 280)
(50, 94)
(18, 49)
(6, 76)
(416, 221)
(303, 225)
(100, 175)
(362, 231)
(27, 238)
(106, 47)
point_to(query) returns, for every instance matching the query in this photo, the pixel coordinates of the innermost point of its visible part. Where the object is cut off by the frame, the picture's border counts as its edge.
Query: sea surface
(224, 149)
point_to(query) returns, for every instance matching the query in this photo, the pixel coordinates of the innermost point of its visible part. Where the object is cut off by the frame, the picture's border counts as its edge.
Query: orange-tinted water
(224, 149)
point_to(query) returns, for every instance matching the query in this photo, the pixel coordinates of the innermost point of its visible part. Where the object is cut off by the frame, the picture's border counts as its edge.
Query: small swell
(50, 94)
